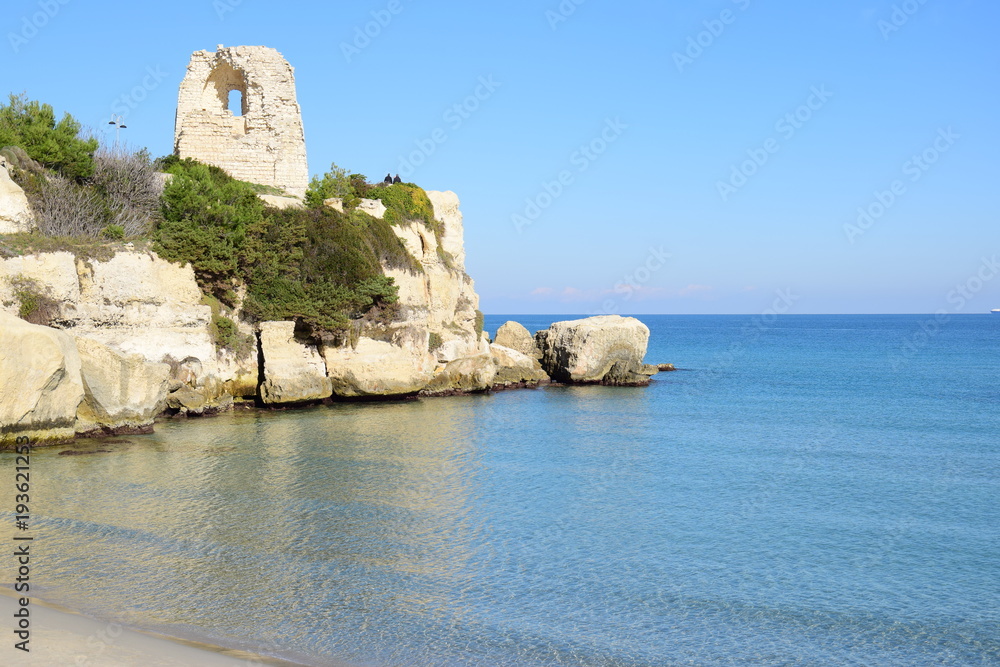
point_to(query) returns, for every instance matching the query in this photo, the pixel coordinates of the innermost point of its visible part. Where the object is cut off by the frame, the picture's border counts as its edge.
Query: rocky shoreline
(56, 388)
(128, 337)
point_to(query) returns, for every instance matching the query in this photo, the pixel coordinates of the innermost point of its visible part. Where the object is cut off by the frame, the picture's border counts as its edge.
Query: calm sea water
(810, 491)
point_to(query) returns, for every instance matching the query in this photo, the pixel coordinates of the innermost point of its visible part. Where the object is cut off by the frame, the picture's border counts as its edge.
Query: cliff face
(436, 327)
(136, 303)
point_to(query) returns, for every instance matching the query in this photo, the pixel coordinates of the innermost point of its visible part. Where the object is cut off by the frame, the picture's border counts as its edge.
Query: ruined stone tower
(263, 141)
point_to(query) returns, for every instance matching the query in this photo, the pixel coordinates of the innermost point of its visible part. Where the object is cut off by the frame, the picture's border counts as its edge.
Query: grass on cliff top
(31, 243)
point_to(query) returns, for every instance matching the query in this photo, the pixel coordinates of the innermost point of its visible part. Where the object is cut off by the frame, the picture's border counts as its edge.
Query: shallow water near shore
(808, 491)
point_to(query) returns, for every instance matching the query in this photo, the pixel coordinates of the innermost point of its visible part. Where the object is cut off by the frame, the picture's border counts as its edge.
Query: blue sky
(713, 156)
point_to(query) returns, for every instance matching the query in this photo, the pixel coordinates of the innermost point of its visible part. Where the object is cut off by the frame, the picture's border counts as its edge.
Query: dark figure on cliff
(397, 179)
(388, 179)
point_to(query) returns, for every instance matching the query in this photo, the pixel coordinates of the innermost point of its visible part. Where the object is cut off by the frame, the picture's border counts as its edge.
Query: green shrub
(334, 183)
(113, 232)
(319, 267)
(205, 216)
(434, 341)
(480, 322)
(226, 330)
(33, 301)
(56, 145)
(405, 201)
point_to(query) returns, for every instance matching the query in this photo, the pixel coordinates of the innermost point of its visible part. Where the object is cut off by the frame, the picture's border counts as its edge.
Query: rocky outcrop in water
(294, 370)
(40, 383)
(514, 336)
(123, 392)
(378, 369)
(464, 375)
(515, 369)
(607, 349)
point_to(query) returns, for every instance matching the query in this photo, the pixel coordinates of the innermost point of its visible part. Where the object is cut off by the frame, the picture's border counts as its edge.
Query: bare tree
(130, 188)
(65, 208)
(120, 200)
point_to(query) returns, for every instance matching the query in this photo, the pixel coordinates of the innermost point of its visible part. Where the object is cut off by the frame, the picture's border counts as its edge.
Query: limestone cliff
(434, 346)
(144, 331)
(135, 303)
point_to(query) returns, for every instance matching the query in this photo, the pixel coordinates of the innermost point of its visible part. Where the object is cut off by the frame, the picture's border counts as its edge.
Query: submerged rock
(40, 383)
(124, 392)
(607, 349)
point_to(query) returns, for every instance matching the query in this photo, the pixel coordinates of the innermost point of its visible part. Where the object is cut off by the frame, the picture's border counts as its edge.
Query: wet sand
(63, 638)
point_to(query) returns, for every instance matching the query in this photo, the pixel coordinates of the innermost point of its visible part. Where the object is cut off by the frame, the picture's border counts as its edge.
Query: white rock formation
(15, 212)
(447, 210)
(515, 368)
(282, 203)
(124, 393)
(265, 143)
(441, 302)
(373, 207)
(443, 298)
(516, 337)
(294, 372)
(377, 368)
(608, 349)
(40, 385)
(135, 303)
(469, 374)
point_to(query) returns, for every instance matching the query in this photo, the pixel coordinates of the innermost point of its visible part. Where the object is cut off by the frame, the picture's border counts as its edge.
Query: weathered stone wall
(266, 144)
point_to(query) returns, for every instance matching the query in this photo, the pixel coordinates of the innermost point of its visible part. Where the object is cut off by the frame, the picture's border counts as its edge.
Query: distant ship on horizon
(995, 311)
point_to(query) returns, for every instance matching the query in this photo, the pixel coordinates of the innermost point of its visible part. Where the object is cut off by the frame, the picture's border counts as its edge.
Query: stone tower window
(235, 103)
(222, 82)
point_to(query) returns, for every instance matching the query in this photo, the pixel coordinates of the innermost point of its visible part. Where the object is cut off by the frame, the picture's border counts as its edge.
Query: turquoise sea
(816, 490)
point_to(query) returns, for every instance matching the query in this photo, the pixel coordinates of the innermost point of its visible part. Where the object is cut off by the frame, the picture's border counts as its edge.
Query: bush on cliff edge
(319, 267)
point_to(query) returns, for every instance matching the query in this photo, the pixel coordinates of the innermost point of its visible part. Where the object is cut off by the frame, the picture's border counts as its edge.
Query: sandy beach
(63, 638)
